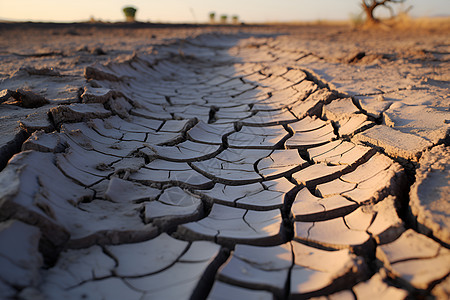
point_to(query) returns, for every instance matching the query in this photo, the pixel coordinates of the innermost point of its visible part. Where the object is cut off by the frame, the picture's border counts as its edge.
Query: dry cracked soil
(205, 162)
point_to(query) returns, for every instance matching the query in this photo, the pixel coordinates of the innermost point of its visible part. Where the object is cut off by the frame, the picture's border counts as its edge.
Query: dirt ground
(28, 44)
(408, 65)
(273, 161)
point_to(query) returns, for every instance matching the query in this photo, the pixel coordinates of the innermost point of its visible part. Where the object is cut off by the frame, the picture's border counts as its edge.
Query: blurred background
(199, 11)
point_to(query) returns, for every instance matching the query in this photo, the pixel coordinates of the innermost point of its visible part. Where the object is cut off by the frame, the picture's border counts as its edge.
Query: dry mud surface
(223, 163)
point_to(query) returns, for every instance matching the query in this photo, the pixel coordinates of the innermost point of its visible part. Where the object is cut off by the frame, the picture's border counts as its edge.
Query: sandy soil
(337, 43)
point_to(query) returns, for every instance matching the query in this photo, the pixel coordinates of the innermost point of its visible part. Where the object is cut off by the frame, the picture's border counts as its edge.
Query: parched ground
(254, 162)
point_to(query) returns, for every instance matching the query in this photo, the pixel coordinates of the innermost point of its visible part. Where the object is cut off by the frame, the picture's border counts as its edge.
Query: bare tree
(370, 5)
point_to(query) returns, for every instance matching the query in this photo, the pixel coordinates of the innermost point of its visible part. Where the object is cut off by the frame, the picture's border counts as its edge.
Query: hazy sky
(198, 10)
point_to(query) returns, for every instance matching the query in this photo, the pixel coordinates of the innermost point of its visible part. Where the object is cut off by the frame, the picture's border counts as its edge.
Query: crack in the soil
(204, 285)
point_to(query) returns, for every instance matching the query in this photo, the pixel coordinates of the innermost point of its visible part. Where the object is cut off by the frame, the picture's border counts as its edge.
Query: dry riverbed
(251, 162)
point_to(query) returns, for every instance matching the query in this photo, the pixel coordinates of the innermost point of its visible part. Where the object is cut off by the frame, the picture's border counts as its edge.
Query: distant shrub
(212, 17)
(223, 19)
(130, 13)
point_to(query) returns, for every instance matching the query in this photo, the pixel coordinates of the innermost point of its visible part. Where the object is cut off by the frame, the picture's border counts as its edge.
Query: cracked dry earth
(218, 166)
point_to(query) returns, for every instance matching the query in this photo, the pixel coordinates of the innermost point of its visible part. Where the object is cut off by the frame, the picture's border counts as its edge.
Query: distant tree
(212, 17)
(235, 19)
(370, 5)
(130, 13)
(223, 19)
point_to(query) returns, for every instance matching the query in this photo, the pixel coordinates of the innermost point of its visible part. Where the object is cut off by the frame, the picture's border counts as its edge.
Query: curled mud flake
(78, 112)
(355, 57)
(94, 73)
(42, 142)
(339, 108)
(28, 99)
(38, 120)
(430, 193)
(395, 143)
(41, 71)
(425, 263)
(96, 94)
(424, 121)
